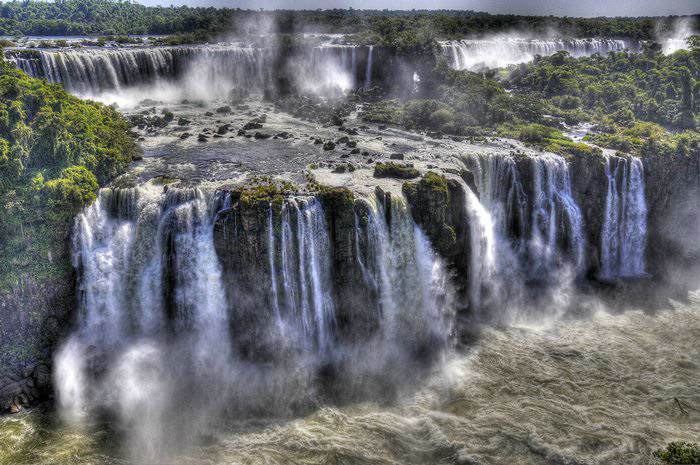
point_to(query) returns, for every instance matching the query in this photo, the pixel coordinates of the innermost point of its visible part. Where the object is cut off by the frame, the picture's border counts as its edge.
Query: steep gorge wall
(272, 252)
(673, 193)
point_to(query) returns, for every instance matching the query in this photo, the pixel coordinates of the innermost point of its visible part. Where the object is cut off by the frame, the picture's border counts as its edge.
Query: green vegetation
(458, 101)
(547, 138)
(616, 89)
(265, 190)
(55, 151)
(638, 102)
(395, 170)
(679, 453)
(402, 29)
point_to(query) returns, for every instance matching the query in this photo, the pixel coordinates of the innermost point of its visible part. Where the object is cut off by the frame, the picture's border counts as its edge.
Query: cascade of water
(119, 258)
(552, 197)
(398, 262)
(190, 71)
(482, 244)
(273, 269)
(305, 269)
(537, 226)
(368, 70)
(124, 244)
(623, 237)
(353, 67)
(500, 52)
(200, 301)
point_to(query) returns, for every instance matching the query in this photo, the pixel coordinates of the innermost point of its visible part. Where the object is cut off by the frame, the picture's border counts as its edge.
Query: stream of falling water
(624, 235)
(155, 352)
(526, 236)
(153, 372)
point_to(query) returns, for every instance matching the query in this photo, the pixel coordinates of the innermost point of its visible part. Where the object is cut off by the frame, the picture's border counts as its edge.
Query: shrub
(679, 453)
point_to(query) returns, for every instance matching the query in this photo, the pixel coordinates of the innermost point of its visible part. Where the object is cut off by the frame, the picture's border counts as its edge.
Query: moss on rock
(395, 170)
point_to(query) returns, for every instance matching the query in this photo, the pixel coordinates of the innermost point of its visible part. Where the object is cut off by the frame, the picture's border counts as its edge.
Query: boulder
(252, 125)
(395, 170)
(344, 168)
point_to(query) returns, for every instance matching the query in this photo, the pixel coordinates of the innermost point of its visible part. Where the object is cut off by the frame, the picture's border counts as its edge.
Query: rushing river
(608, 389)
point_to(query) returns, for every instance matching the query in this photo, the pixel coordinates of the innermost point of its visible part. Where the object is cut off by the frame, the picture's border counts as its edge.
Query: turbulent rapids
(522, 396)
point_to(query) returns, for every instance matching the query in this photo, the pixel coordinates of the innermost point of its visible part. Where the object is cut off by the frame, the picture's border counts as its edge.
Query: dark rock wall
(35, 315)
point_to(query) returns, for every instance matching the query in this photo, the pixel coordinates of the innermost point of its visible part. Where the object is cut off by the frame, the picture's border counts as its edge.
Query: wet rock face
(354, 299)
(33, 318)
(240, 240)
(21, 390)
(244, 240)
(435, 206)
(673, 196)
(589, 185)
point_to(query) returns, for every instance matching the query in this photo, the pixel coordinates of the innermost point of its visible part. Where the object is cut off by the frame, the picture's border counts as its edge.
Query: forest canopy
(109, 17)
(55, 151)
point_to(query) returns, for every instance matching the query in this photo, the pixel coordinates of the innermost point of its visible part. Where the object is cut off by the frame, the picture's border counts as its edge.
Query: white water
(475, 54)
(604, 390)
(482, 242)
(624, 234)
(308, 307)
(525, 227)
(208, 72)
(153, 344)
(409, 277)
(554, 209)
(534, 218)
(368, 70)
(116, 359)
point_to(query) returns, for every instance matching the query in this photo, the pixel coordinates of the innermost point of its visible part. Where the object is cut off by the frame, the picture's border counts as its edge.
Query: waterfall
(555, 214)
(624, 232)
(526, 232)
(308, 305)
(409, 278)
(353, 67)
(201, 72)
(273, 268)
(167, 340)
(368, 70)
(474, 54)
(145, 259)
(533, 209)
(482, 244)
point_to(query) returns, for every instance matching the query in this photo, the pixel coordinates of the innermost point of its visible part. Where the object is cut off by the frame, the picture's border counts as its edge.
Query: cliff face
(33, 317)
(325, 251)
(673, 196)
